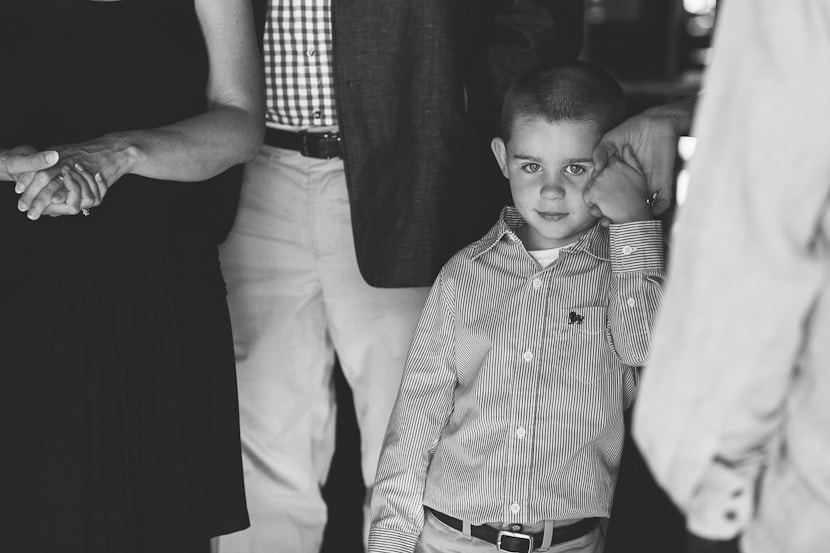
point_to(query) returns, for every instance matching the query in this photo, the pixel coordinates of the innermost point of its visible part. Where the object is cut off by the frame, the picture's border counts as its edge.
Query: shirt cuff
(384, 540)
(721, 507)
(636, 246)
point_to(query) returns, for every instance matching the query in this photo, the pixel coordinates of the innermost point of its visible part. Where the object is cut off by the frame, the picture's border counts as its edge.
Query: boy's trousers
(437, 537)
(296, 299)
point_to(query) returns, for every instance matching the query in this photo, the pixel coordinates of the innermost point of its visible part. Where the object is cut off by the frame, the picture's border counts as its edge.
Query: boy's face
(548, 165)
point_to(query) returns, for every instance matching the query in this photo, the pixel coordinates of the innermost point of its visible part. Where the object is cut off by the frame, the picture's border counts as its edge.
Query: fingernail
(79, 167)
(99, 177)
(31, 215)
(18, 187)
(52, 157)
(22, 206)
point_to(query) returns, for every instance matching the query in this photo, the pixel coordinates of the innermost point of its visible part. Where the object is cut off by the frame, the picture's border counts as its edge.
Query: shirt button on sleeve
(527, 356)
(631, 302)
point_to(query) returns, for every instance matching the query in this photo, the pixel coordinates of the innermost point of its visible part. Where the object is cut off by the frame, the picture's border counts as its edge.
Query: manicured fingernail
(22, 206)
(99, 178)
(32, 215)
(18, 187)
(51, 157)
(79, 168)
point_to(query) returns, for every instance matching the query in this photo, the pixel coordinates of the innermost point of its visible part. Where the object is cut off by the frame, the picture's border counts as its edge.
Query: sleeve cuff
(636, 246)
(721, 507)
(384, 540)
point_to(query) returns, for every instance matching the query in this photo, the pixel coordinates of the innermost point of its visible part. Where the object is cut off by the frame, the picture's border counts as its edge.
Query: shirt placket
(525, 383)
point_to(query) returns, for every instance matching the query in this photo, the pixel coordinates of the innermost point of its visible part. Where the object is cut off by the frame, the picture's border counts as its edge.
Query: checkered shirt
(299, 80)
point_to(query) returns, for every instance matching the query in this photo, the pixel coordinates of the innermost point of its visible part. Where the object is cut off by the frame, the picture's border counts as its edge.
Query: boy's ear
(500, 151)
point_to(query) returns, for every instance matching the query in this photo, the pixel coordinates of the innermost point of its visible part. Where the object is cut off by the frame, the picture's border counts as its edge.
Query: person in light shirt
(734, 411)
(508, 425)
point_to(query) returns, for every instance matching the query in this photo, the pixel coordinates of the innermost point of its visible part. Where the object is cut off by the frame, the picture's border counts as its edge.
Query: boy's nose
(553, 188)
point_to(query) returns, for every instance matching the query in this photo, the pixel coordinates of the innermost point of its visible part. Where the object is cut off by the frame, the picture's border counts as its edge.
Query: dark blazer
(418, 84)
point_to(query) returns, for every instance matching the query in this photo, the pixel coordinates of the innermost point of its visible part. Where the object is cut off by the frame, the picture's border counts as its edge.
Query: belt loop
(466, 530)
(547, 537)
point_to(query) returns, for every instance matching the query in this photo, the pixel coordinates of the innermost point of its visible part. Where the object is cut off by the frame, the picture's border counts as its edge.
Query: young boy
(508, 426)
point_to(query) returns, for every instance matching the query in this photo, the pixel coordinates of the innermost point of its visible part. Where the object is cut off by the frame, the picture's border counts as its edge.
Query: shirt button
(527, 356)
(537, 283)
(514, 508)
(520, 432)
(317, 114)
(631, 302)
(627, 250)
(311, 52)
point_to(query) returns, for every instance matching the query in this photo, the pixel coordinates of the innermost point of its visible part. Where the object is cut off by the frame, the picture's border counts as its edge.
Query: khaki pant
(297, 299)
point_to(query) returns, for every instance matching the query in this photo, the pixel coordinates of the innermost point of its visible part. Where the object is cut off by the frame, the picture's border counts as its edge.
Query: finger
(631, 159)
(102, 184)
(73, 189)
(43, 200)
(88, 187)
(59, 197)
(23, 163)
(23, 180)
(603, 152)
(38, 183)
(58, 209)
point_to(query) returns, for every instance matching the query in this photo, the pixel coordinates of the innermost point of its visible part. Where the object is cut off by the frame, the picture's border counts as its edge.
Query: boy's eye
(531, 167)
(574, 170)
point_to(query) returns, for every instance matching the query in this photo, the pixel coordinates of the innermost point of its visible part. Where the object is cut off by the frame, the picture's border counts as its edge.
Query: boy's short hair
(575, 91)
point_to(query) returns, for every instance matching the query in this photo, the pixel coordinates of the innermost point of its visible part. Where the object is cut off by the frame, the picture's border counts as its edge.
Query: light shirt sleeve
(637, 272)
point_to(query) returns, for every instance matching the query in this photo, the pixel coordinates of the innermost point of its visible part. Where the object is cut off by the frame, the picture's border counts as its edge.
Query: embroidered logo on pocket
(575, 318)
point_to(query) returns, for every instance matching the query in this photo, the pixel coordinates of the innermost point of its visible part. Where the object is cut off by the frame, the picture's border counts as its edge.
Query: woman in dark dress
(118, 414)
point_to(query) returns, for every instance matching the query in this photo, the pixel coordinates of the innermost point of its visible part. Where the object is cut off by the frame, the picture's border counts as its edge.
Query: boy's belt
(320, 145)
(517, 542)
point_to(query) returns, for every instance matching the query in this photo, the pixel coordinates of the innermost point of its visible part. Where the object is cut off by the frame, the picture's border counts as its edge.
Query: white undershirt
(545, 257)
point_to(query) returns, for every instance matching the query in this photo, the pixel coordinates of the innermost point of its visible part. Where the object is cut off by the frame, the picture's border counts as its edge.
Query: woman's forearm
(194, 149)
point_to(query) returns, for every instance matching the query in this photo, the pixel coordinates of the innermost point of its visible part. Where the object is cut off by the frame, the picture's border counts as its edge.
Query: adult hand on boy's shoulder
(618, 193)
(652, 135)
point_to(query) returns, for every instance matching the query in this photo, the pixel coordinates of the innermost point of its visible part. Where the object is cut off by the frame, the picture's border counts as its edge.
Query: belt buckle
(320, 139)
(517, 535)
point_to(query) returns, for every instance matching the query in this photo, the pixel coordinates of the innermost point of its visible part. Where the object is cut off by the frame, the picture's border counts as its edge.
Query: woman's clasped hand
(69, 179)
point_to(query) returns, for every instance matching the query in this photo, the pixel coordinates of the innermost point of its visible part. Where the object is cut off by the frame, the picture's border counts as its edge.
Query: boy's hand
(618, 194)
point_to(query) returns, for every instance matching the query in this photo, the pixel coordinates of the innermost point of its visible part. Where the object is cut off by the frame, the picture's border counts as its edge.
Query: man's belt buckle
(515, 535)
(321, 145)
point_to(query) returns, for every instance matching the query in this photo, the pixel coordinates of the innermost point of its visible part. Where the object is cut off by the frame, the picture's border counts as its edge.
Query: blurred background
(658, 50)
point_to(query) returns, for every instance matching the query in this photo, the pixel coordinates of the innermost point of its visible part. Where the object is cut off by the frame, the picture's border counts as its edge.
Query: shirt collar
(594, 242)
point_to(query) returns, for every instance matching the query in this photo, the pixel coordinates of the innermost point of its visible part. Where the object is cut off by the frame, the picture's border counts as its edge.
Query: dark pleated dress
(119, 424)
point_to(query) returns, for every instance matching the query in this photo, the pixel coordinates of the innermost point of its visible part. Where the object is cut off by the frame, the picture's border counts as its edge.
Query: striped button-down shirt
(511, 405)
(299, 83)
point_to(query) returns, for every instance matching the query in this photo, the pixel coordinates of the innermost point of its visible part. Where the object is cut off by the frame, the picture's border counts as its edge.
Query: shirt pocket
(584, 350)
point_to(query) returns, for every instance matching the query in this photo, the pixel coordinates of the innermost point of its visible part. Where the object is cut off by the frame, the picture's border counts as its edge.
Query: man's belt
(320, 145)
(517, 542)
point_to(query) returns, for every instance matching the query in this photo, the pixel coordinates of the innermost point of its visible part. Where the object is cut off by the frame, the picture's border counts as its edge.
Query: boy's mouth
(552, 215)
